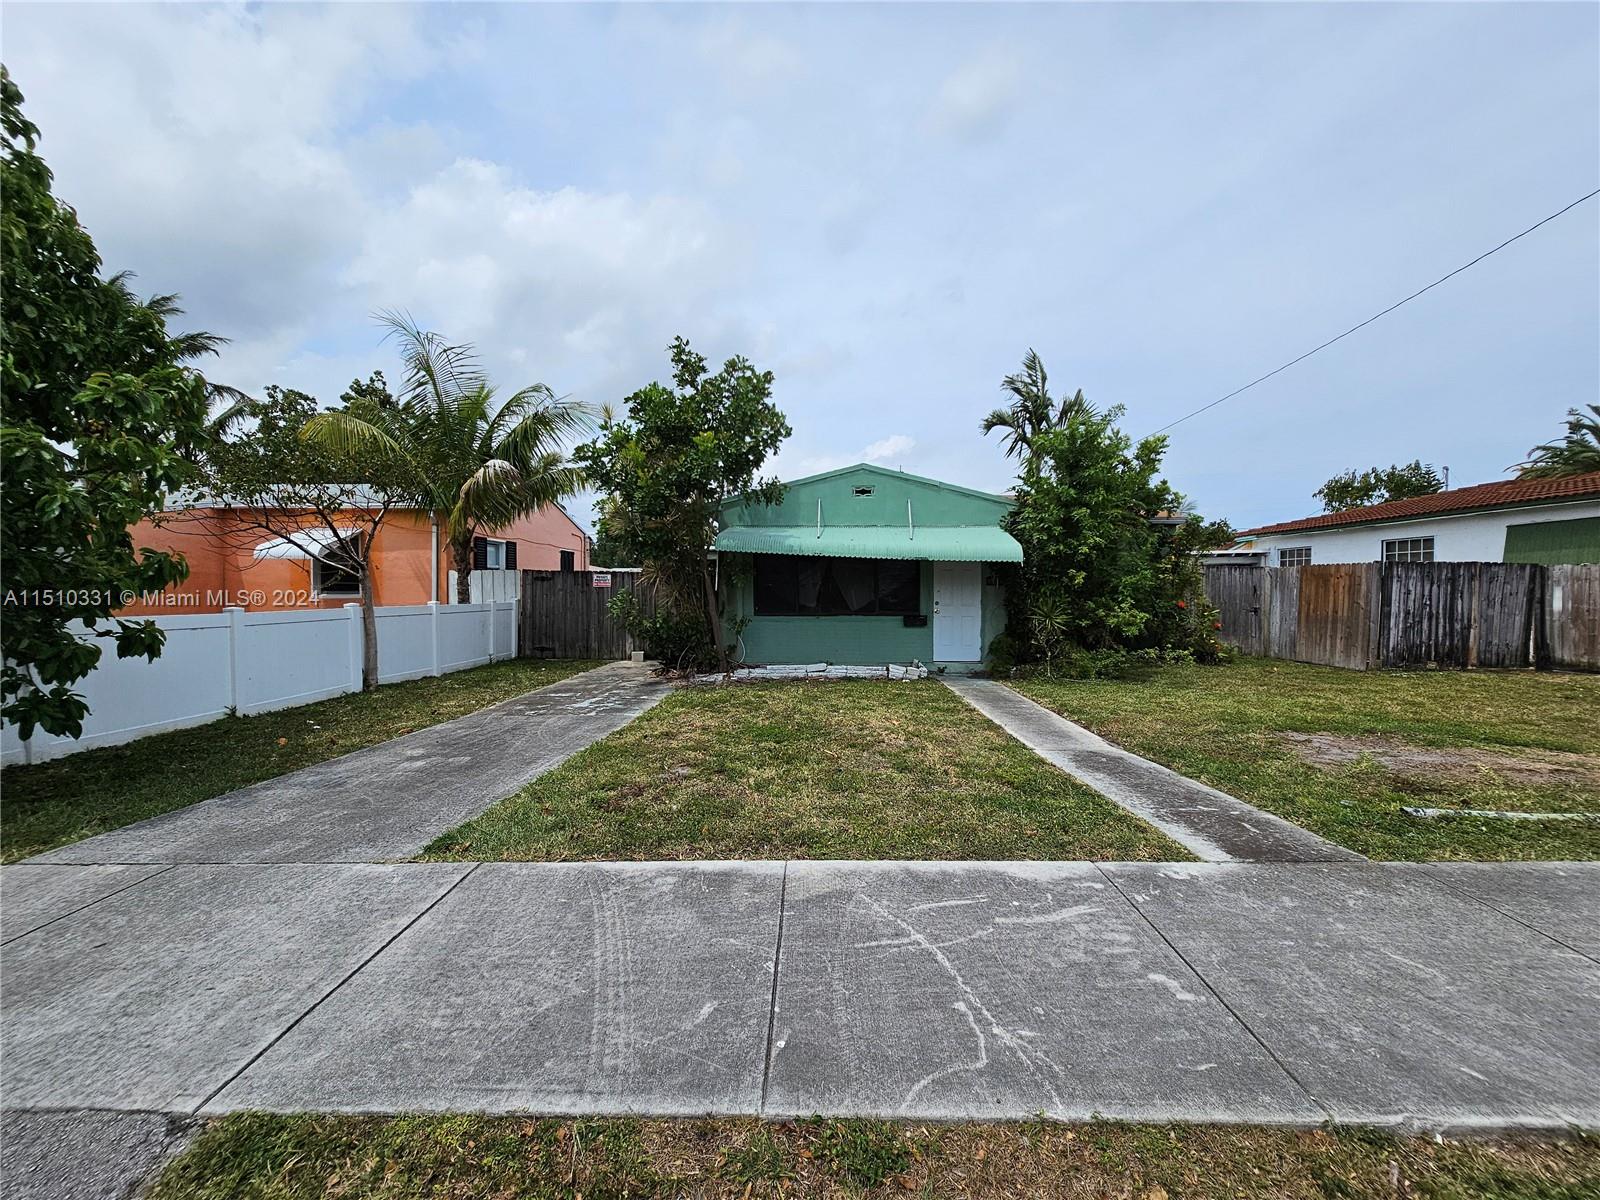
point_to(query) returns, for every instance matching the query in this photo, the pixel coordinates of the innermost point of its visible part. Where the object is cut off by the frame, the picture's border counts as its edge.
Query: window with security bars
(1417, 549)
(1294, 556)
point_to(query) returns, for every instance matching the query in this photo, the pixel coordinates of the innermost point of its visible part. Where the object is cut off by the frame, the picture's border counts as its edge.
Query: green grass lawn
(71, 798)
(1500, 740)
(842, 769)
(262, 1157)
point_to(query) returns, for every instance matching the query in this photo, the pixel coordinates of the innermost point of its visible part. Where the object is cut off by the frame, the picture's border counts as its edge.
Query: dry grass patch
(262, 1157)
(839, 769)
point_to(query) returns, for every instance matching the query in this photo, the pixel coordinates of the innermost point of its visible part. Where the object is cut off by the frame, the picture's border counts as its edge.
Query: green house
(866, 566)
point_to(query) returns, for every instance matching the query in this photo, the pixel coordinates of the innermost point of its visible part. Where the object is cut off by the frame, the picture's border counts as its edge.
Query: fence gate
(564, 614)
(1237, 594)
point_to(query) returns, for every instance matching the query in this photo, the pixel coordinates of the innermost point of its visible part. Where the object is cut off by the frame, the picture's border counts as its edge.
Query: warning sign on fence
(602, 579)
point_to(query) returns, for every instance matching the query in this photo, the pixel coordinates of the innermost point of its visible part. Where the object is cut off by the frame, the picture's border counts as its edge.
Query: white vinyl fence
(488, 587)
(251, 662)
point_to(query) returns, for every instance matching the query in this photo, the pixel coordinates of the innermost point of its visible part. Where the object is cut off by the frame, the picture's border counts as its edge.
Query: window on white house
(1294, 556)
(1417, 549)
(494, 557)
(335, 578)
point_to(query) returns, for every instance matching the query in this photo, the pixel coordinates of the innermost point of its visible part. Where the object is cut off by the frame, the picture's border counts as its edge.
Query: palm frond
(528, 426)
(436, 372)
(349, 435)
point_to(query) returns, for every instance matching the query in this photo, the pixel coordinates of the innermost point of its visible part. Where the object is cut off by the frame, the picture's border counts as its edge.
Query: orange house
(234, 565)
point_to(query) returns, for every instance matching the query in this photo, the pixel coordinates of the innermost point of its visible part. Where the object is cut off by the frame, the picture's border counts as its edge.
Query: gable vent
(865, 491)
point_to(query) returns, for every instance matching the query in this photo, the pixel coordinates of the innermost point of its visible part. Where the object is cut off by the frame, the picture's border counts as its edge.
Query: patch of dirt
(1459, 763)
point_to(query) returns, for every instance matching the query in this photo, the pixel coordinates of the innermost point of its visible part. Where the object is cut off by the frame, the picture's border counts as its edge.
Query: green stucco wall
(854, 641)
(862, 641)
(932, 502)
(1554, 542)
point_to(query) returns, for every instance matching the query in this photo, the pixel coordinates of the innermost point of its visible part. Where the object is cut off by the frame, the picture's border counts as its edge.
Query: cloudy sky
(885, 205)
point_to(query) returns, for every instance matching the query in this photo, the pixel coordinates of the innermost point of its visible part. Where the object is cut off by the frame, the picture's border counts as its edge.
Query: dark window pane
(774, 585)
(854, 585)
(899, 587)
(808, 585)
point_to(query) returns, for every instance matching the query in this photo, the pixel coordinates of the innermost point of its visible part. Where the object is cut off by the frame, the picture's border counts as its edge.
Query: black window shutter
(480, 553)
(568, 561)
(511, 556)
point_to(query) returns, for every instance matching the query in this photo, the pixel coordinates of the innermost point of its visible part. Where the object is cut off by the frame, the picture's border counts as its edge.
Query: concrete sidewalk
(1441, 995)
(390, 800)
(1213, 825)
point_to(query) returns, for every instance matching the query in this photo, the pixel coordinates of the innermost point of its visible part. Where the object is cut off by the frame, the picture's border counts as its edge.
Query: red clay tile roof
(1467, 499)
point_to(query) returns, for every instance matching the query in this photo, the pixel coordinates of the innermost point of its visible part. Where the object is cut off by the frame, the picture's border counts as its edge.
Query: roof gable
(868, 495)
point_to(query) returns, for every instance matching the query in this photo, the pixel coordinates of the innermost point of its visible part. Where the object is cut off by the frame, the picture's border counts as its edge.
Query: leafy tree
(1576, 454)
(100, 418)
(1031, 411)
(268, 479)
(668, 465)
(604, 550)
(1378, 485)
(1108, 561)
(451, 447)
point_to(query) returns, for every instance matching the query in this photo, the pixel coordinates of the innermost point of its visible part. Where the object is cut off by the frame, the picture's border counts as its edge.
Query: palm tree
(447, 444)
(1032, 411)
(1577, 454)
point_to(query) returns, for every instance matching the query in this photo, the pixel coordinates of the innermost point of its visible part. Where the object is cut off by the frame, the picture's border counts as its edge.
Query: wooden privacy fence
(564, 615)
(1442, 614)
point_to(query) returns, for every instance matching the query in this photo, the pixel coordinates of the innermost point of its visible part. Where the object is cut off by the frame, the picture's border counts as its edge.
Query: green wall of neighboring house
(1554, 542)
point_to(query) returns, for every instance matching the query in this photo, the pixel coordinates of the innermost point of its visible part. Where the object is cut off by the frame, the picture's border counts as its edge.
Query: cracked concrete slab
(390, 800)
(1392, 998)
(33, 896)
(85, 1155)
(1000, 991)
(552, 988)
(1559, 899)
(1215, 826)
(155, 997)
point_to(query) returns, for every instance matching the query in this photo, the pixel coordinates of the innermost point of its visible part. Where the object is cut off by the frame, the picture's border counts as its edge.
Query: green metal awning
(937, 543)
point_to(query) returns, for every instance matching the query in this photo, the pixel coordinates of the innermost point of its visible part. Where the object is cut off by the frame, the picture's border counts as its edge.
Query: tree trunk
(716, 619)
(461, 554)
(369, 630)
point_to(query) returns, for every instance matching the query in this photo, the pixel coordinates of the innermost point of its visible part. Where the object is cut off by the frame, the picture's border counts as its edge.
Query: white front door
(957, 612)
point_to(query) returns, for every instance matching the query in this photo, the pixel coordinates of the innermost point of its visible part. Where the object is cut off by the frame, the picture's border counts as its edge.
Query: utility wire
(1375, 316)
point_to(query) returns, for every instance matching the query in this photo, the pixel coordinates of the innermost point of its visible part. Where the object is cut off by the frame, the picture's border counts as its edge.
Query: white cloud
(787, 465)
(579, 283)
(887, 448)
(749, 62)
(974, 100)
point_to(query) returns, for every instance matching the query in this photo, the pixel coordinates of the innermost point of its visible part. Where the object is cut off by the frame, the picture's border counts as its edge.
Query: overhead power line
(1375, 316)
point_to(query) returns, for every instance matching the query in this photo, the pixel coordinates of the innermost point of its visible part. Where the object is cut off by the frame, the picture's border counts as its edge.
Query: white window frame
(494, 554)
(1296, 551)
(319, 589)
(1408, 549)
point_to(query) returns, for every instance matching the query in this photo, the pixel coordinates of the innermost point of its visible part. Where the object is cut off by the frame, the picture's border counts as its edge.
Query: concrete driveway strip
(550, 988)
(155, 997)
(85, 1155)
(33, 896)
(1215, 826)
(1391, 997)
(1000, 991)
(1560, 900)
(390, 800)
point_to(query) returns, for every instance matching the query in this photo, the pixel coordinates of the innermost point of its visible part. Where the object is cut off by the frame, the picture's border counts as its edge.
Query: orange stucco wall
(223, 570)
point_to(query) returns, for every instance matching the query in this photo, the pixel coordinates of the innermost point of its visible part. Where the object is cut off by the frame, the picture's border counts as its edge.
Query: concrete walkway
(390, 800)
(1435, 995)
(1213, 825)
